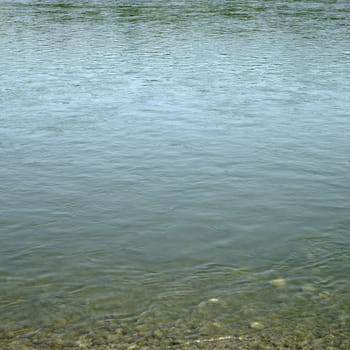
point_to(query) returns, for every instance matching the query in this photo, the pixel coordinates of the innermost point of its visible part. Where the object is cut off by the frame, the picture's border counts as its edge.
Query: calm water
(173, 172)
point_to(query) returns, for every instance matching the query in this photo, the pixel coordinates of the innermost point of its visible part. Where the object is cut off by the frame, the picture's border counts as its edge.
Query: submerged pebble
(213, 300)
(208, 302)
(158, 333)
(324, 294)
(308, 288)
(278, 282)
(255, 325)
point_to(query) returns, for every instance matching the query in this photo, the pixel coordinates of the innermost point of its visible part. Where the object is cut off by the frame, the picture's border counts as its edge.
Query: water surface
(163, 163)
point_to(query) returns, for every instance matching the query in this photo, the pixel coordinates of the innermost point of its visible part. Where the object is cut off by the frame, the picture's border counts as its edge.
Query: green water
(174, 174)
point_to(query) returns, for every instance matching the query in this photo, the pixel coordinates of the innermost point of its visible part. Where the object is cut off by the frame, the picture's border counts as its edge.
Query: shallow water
(174, 174)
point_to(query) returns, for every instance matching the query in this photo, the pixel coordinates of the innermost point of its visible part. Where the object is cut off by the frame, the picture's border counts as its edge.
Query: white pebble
(278, 282)
(214, 300)
(256, 325)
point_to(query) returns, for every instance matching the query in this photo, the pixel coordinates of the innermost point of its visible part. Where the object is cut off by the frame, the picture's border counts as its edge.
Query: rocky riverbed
(199, 327)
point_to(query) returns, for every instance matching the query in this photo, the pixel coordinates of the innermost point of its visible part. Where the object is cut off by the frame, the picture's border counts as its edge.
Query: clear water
(162, 163)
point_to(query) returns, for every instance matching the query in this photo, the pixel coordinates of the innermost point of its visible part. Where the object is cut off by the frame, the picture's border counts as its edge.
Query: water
(174, 174)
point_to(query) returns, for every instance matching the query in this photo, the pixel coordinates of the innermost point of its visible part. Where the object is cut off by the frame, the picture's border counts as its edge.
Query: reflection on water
(174, 174)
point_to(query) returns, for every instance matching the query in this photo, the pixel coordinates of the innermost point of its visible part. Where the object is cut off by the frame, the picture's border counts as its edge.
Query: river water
(174, 174)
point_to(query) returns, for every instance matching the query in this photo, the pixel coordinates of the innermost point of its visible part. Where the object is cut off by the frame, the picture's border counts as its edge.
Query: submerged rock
(158, 333)
(213, 300)
(208, 302)
(256, 325)
(308, 288)
(278, 282)
(324, 294)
